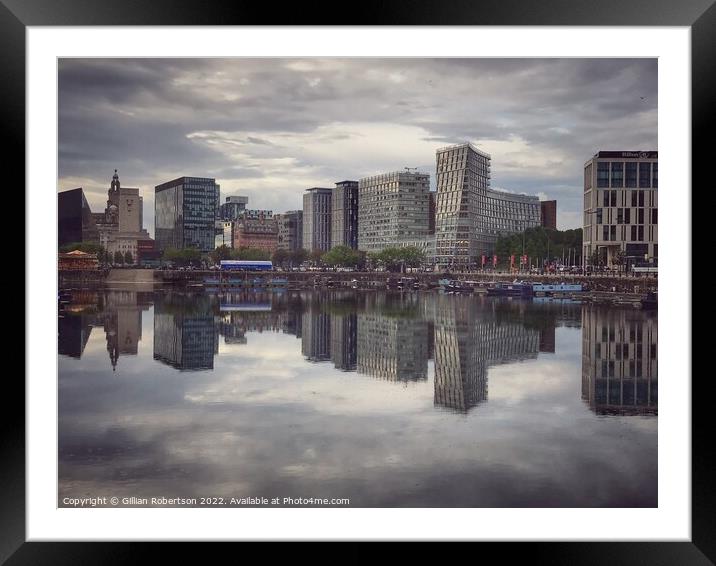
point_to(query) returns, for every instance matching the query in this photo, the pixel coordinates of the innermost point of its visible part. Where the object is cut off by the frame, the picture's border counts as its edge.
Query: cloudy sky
(270, 128)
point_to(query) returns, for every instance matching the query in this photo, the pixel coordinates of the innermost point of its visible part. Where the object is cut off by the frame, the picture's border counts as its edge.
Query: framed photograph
(395, 279)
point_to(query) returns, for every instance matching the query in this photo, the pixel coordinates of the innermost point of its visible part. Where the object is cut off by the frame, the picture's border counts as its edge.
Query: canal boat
(514, 289)
(554, 290)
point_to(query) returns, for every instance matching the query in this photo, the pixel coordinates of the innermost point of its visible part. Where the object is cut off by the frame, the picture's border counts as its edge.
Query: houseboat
(514, 289)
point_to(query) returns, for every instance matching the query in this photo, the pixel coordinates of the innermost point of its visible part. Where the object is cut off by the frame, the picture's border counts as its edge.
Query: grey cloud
(137, 114)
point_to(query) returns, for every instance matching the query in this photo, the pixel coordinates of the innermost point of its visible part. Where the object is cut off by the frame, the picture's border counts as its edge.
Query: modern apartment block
(621, 208)
(469, 215)
(290, 230)
(185, 213)
(392, 207)
(317, 219)
(345, 215)
(548, 214)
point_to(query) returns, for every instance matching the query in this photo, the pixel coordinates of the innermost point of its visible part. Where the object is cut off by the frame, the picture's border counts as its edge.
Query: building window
(614, 199)
(599, 216)
(655, 175)
(640, 231)
(644, 175)
(634, 198)
(640, 216)
(627, 216)
(617, 174)
(641, 198)
(613, 231)
(602, 174)
(630, 175)
(620, 216)
(605, 233)
(633, 233)
(654, 215)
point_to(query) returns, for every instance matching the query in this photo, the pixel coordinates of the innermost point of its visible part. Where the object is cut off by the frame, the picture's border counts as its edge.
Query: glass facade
(644, 175)
(317, 218)
(185, 210)
(602, 174)
(630, 174)
(617, 174)
(345, 215)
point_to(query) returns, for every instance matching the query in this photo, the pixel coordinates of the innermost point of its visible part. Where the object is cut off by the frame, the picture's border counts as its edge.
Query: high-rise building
(290, 230)
(233, 207)
(317, 217)
(75, 219)
(345, 215)
(185, 213)
(470, 216)
(620, 208)
(392, 207)
(548, 214)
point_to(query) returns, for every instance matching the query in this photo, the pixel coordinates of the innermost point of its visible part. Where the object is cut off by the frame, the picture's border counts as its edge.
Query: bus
(241, 265)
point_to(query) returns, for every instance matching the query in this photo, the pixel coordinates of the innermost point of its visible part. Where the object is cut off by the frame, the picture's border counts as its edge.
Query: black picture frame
(699, 15)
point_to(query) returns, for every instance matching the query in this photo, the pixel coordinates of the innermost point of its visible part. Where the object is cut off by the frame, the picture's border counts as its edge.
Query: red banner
(494, 260)
(512, 261)
(523, 260)
(484, 259)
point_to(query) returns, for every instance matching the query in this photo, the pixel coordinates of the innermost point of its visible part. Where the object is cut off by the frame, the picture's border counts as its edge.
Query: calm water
(386, 399)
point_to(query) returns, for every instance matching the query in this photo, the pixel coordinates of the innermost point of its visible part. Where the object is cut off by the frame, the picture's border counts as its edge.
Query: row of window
(631, 174)
(624, 216)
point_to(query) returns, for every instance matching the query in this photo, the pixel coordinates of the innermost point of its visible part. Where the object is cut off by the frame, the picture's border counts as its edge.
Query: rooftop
(471, 145)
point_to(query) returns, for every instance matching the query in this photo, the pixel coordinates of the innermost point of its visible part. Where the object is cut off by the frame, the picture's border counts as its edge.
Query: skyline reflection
(389, 399)
(386, 336)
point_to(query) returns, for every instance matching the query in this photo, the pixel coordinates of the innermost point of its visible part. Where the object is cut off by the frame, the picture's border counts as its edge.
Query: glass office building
(185, 210)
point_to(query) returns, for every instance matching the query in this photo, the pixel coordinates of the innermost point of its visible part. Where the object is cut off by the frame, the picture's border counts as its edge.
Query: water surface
(386, 399)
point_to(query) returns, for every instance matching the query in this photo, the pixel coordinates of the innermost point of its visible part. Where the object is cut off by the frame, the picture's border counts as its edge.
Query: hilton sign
(630, 154)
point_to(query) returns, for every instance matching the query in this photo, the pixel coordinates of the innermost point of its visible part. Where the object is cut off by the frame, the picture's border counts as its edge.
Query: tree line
(540, 245)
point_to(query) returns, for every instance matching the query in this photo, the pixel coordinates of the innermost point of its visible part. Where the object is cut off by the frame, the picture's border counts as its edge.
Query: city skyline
(270, 128)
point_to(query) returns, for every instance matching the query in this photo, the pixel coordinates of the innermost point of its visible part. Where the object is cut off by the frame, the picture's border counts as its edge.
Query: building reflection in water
(392, 339)
(387, 336)
(619, 361)
(471, 336)
(73, 332)
(118, 313)
(122, 322)
(185, 334)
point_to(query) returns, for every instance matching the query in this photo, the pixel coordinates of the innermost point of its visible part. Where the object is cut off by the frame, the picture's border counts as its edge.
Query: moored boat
(514, 289)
